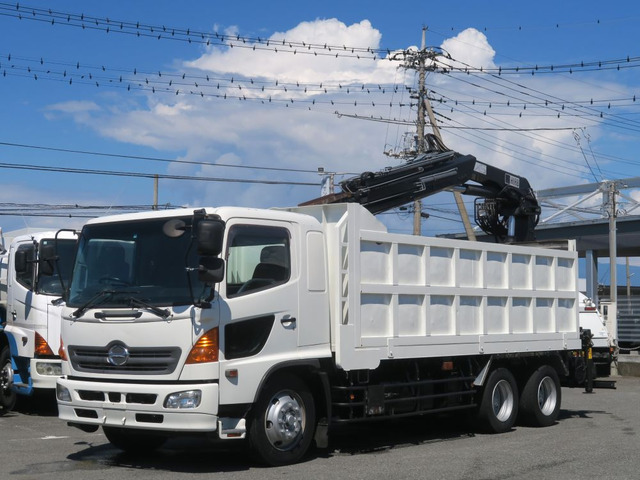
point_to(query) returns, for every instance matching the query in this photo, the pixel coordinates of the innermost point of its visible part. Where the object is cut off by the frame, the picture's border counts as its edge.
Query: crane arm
(507, 207)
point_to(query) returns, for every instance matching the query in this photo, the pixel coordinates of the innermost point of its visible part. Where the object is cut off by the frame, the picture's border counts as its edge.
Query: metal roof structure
(593, 235)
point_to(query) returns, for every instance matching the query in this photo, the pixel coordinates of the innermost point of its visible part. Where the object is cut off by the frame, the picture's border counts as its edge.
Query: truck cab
(30, 339)
(603, 344)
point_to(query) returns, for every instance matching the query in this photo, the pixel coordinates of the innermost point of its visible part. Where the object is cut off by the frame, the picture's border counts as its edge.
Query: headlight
(62, 393)
(51, 369)
(188, 399)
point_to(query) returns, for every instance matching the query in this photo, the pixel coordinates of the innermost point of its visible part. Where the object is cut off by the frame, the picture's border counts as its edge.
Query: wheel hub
(547, 396)
(502, 400)
(6, 377)
(284, 421)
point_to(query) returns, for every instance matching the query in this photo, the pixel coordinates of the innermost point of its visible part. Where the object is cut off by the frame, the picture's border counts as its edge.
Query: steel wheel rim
(6, 377)
(547, 396)
(285, 420)
(502, 399)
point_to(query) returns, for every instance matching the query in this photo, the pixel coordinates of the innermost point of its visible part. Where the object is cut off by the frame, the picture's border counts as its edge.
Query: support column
(591, 274)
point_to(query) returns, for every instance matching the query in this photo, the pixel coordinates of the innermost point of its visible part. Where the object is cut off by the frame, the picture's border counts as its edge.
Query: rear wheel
(283, 421)
(7, 395)
(499, 402)
(133, 441)
(541, 398)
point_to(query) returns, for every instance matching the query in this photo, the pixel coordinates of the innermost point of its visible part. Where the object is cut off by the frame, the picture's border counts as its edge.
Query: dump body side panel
(405, 296)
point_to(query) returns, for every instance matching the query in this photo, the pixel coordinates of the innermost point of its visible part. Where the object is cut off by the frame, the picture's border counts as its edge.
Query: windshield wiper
(99, 297)
(161, 312)
(92, 302)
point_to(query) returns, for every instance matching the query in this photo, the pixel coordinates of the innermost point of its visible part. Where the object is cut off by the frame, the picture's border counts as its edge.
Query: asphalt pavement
(596, 436)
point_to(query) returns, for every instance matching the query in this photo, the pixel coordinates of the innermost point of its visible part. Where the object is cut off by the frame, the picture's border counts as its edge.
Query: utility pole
(462, 209)
(155, 192)
(425, 105)
(417, 204)
(612, 317)
(628, 282)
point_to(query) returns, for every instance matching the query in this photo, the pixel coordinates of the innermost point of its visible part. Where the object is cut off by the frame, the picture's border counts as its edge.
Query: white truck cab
(603, 345)
(30, 337)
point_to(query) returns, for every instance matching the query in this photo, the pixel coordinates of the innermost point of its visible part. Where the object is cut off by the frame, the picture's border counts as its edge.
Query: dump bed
(406, 296)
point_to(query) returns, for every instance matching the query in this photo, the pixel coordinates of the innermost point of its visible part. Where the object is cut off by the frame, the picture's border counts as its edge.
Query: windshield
(50, 284)
(118, 261)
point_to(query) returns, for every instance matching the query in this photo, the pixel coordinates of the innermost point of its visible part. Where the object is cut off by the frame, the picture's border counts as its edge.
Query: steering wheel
(112, 280)
(254, 283)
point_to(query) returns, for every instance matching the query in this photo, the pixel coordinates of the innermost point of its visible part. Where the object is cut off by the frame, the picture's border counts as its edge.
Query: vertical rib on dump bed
(405, 296)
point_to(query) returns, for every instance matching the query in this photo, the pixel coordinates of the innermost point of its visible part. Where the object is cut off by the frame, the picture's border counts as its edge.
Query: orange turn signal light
(62, 351)
(206, 348)
(42, 348)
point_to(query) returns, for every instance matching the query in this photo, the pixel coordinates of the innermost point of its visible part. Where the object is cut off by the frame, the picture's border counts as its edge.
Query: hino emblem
(118, 355)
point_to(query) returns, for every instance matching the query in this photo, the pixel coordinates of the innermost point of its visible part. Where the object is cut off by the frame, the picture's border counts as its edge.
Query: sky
(240, 103)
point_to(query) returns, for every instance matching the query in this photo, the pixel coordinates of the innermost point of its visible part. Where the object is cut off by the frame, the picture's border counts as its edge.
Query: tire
(541, 398)
(282, 422)
(499, 402)
(7, 394)
(134, 441)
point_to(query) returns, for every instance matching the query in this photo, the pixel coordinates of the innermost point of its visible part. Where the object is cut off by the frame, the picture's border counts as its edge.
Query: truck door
(21, 286)
(258, 325)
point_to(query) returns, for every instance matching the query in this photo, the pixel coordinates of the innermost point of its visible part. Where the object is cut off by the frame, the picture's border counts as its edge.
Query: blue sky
(140, 125)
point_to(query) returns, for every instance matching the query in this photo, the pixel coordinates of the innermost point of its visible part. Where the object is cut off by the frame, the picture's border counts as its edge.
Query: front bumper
(138, 406)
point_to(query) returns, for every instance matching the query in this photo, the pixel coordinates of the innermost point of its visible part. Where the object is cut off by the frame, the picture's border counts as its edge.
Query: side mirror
(20, 261)
(210, 270)
(209, 236)
(47, 260)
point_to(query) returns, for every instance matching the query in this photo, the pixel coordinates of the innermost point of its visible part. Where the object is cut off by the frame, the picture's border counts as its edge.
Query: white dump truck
(29, 321)
(275, 325)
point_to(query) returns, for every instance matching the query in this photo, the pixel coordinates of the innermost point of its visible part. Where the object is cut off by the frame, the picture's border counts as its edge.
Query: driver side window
(25, 278)
(258, 258)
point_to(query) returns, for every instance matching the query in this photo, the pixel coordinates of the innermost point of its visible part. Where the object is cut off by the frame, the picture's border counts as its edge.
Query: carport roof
(589, 235)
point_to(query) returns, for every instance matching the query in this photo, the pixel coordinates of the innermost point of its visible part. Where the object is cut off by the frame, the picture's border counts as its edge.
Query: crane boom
(506, 208)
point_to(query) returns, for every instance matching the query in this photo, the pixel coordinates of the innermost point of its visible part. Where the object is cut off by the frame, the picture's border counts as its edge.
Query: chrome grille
(141, 360)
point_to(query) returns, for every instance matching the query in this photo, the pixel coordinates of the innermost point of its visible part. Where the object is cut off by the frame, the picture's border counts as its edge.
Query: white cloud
(73, 107)
(80, 111)
(470, 48)
(307, 65)
(308, 135)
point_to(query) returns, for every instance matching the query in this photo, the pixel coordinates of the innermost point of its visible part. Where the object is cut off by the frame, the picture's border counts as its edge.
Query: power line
(537, 155)
(158, 32)
(553, 164)
(45, 168)
(608, 103)
(154, 159)
(348, 94)
(597, 22)
(162, 32)
(570, 68)
(72, 210)
(161, 79)
(560, 107)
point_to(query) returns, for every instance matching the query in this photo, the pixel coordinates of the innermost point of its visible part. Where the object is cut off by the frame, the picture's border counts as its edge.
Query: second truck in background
(29, 321)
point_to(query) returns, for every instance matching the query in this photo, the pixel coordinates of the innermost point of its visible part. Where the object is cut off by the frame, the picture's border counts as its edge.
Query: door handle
(288, 321)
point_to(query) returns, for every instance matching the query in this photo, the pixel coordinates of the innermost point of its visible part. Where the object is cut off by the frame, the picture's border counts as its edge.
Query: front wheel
(499, 402)
(7, 394)
(133, 441)
(541, 398)
(283, 421)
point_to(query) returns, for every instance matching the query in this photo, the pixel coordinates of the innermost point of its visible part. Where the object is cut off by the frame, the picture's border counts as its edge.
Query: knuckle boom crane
(506, 206)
